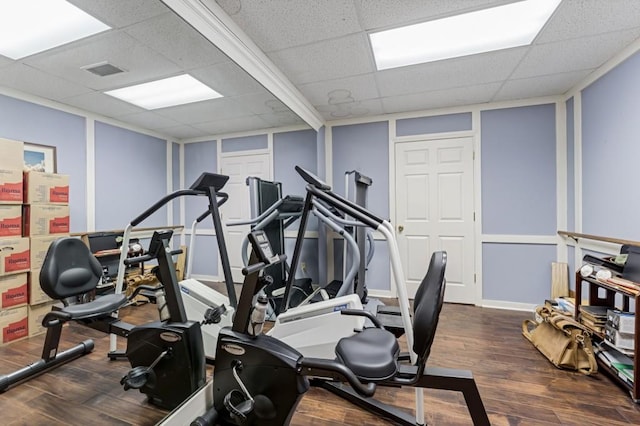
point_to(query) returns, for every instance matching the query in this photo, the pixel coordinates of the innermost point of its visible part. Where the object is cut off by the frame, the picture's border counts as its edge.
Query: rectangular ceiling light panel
(512, 25)
(179, 90)
(32, 26)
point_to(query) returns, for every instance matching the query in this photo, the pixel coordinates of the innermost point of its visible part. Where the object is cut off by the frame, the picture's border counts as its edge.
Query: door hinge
(474, 155)
(474, 278)
(474, 216)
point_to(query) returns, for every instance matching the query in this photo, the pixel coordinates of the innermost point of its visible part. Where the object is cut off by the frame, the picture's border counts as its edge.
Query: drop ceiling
(322, 48)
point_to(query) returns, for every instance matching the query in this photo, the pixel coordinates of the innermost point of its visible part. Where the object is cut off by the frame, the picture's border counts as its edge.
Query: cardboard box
(46, 188)
(14, 255)
(12, 154)
(10, 220)
(11, 190)
(14, 324)
(40, 246)
(45, 219)
(13, 291)
(36, 314)
(36, 295)
(617, 339)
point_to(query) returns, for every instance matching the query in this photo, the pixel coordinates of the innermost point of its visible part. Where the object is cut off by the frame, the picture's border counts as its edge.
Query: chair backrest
(69, 269)
(427, 306)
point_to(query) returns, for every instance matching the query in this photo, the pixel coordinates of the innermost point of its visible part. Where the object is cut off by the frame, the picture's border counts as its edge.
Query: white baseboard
(512, 306)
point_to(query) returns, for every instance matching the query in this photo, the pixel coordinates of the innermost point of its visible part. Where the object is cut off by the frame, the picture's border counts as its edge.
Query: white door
(238, 167)
(434, 211)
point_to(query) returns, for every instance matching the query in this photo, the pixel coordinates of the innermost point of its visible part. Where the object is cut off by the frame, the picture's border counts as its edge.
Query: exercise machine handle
(256, 267)
(362, 313)
(326, 367)
(164, 200)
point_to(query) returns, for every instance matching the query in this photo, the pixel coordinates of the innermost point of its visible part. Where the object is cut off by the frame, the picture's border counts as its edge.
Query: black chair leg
(461, 381)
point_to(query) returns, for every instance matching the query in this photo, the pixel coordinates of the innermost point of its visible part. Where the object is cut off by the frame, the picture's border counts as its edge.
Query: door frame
(239, 154)
(477, 196)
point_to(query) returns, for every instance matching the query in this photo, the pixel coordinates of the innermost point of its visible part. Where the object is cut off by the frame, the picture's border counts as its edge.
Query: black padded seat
(366, 354)
(100, 307)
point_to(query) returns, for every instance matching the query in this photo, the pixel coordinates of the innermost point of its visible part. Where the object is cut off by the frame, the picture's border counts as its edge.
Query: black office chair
(374, 354)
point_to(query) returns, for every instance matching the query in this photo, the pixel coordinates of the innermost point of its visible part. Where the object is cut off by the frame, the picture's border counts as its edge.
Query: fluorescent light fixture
(32, 26)
(512, 25)
(178, 90)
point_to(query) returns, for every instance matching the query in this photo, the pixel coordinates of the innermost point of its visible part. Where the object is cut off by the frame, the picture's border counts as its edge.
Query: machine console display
(262, 247)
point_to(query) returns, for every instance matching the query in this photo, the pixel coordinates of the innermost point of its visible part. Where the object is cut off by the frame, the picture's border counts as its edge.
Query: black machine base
(177, 374)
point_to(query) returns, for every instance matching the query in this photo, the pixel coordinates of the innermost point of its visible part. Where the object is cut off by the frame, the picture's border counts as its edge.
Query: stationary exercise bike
(167, 357)
(259, 379)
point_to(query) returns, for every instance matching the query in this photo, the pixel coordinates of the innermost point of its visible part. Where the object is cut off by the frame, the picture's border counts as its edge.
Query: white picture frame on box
(39, 158)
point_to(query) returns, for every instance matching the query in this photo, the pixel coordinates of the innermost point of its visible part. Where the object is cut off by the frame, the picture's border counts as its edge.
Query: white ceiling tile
(227, 79)
(100, 103)
(467, 71)
(35, 82)
(573, 55)
(120, 13)
(356, 88)
(342, 57)
(238, 124)
(440, 98)
(149, 120)
(178, 41)
(351, 109)
(261, 103)
(280, 24)
(118, 48)
(203, 112)
(282, 118)
(376, 14)
(580, 18)
(183, 132)
(540, 86)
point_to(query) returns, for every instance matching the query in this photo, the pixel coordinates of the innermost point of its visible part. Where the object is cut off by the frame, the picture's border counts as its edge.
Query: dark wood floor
(518, 386)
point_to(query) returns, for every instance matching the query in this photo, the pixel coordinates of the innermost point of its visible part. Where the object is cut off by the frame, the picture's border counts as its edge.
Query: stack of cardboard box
(46, 218)
(14, 248)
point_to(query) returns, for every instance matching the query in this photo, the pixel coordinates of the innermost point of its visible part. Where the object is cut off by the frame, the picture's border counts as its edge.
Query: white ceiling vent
(103, 69)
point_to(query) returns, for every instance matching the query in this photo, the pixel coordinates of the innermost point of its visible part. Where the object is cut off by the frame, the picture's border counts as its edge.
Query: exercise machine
(260, 380)
(257, 379)
(167, 357)
(201, 303)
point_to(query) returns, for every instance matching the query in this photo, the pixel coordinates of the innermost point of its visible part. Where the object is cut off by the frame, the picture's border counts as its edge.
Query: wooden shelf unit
(609, 300)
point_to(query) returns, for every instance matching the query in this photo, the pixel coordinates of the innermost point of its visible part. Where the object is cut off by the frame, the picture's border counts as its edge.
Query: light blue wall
(131, 175)
(245, 143)
(519, 171)
(517, 272)
(292, 149)
(364, 147)
(205, 255)
(28, 122)
(308, 255)
(378, 271)
(435, 124)
(610, 153)
(198, 158)
(571, 181)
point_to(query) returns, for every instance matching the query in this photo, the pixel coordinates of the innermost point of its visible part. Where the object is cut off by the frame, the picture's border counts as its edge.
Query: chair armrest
(53, 318)
(360, 313)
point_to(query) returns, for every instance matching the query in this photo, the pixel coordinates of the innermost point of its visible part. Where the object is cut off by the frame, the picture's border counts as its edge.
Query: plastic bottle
(258, 315)
(161, 302)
